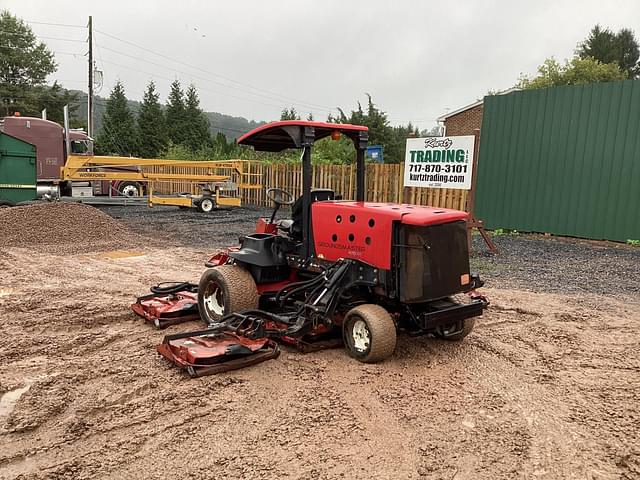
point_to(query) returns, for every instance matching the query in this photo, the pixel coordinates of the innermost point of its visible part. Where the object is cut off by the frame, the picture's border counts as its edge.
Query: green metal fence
(562, 160)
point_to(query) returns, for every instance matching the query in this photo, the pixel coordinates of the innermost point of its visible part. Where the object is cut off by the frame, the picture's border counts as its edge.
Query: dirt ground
(547, 386)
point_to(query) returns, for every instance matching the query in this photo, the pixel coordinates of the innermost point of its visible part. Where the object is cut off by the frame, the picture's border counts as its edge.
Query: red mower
(338, 272)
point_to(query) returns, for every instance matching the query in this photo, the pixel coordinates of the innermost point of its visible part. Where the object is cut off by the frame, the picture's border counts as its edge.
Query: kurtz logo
(437, 143)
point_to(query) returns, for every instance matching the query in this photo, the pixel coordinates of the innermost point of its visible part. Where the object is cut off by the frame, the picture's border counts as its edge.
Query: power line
(16, 34)
(56, 24)
(58, 52)
(281, 97)
(155, 75)
(204, 89)
(62, 39)
(202, 79)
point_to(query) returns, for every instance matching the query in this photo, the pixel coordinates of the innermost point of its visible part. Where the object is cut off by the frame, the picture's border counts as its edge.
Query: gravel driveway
(546, 386)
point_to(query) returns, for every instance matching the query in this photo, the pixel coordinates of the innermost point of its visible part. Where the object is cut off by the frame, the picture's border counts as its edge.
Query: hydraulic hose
(167, 288)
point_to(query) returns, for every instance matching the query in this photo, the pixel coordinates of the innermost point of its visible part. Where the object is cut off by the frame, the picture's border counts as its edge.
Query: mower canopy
(278, 136)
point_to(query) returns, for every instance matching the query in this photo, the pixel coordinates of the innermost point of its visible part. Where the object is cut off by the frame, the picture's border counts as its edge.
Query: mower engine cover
(424, 249)
(364, 230)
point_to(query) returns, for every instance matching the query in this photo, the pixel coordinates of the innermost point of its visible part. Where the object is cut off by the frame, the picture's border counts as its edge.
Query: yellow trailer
(213, 184)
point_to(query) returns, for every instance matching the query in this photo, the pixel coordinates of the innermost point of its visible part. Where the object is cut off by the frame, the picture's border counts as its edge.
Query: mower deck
(211, 351)
(166, 307)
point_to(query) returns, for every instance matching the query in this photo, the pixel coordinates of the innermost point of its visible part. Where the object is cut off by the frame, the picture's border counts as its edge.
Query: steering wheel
(280, 197)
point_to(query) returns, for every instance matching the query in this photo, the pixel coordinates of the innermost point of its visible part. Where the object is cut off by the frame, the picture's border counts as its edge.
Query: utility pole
(90, 92)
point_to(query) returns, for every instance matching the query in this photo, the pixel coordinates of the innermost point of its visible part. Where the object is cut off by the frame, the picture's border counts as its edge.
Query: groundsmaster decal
(439, 162)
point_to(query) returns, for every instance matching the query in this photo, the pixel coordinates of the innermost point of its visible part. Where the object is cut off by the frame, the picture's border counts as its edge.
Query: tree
(393, 139)
(117, 136)
(289, 114)
(607, 47)
(152, 134)
(575, 72)
(176, 114)
(25, 64)
(197, 124)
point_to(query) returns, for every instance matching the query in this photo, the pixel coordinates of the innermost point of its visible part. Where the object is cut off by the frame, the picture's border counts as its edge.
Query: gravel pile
(63, 228)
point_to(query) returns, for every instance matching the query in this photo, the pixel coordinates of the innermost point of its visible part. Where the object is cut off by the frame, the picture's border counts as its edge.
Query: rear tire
(369, 333)
(226, 289)
(458, 332)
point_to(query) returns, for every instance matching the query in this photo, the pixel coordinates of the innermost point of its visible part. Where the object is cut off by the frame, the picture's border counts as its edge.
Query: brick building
(465, 120)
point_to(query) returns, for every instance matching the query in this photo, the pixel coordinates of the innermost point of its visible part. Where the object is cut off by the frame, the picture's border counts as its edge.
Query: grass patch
(499, 232)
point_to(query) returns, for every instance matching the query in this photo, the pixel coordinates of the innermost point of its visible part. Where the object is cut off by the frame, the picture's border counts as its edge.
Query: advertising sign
(439, 162)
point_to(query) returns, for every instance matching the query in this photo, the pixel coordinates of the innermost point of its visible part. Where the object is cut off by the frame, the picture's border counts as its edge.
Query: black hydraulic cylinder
(306, 191)
(360, 196)
(361, 145)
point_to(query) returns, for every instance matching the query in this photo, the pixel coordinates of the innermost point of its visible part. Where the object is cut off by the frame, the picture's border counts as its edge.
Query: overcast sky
(252, 58)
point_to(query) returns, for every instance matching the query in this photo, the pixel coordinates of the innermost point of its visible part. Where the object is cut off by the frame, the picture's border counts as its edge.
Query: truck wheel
(225, 289)
(456, 331)
(206, 205)
(369, 333)
(129, 189)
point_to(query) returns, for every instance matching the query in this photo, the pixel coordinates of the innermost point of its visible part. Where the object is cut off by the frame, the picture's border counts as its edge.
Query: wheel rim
(360, 336)
(130, 191)
(214, 300)
(206, 205)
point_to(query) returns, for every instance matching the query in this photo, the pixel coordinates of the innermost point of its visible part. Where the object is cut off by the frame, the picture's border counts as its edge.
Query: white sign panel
(439, 162)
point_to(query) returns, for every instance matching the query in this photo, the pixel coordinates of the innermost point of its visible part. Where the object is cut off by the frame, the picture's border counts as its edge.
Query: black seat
(319, 195)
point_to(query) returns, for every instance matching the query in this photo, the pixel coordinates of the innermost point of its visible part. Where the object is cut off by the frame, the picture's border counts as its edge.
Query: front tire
(369, 333)
(226, 289)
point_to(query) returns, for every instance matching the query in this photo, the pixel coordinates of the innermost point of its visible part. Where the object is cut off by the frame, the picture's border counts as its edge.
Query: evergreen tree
(197, 124)
(176, 115)
(117, 136)
(53, 98)
(221, 146)
(607, 47)
(152, 135)
(289, 114)
(393, 139)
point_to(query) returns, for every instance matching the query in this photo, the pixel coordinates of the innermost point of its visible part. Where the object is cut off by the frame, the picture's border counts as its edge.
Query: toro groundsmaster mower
(336, 272)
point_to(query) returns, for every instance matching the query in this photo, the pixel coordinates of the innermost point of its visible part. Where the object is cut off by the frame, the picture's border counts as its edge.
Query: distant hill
(231, 126)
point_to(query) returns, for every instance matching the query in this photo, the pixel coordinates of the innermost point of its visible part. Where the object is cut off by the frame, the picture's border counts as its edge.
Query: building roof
(442, 118)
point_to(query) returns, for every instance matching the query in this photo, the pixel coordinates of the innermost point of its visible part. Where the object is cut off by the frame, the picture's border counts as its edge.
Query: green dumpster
(17, 170)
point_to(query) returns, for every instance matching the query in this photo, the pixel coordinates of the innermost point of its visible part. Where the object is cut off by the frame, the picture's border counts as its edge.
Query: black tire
(226, 289)
(378, 339)
(125, 189)
(458, 330)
